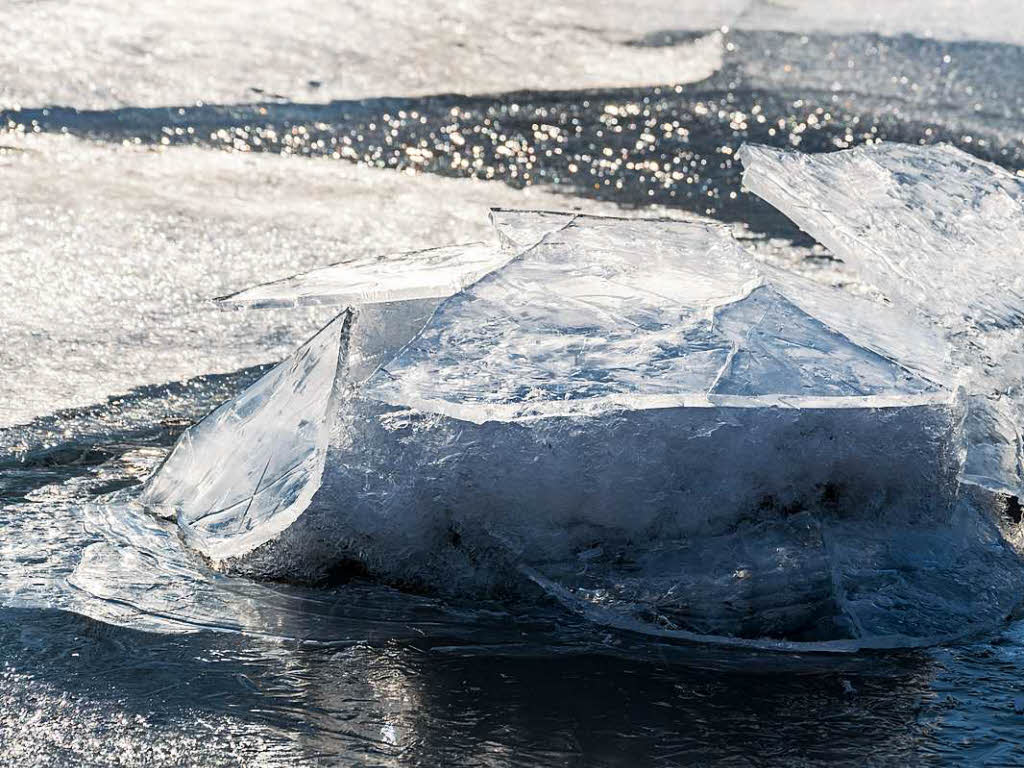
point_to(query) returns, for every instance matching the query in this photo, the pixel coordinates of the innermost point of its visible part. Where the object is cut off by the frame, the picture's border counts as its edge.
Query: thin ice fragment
(248, 470)
(432, 273)
(631, 312)
(933, 227)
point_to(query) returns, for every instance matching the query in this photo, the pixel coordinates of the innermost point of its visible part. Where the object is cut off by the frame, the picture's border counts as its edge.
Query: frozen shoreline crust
(631, 416)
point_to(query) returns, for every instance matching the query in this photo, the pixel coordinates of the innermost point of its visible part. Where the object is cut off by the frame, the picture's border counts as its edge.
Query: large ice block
(638, 418)
(939, 232)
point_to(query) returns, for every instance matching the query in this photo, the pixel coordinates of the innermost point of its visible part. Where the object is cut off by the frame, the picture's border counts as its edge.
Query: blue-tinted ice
(639, 419)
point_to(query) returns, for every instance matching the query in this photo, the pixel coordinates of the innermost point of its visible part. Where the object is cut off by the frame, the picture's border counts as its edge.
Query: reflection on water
(228, 699)
(363, 675)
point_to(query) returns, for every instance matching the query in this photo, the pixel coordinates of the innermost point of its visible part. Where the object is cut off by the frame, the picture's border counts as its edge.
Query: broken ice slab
(939, 232)
(604, 311)
(932, 227)
(613, 386)
(430, 273)
(249, 469)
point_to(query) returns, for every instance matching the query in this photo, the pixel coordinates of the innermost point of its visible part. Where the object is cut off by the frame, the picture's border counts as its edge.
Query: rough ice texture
(594, 501)
(221, 52)
(933, 227)
(640, 421)
(940, 232)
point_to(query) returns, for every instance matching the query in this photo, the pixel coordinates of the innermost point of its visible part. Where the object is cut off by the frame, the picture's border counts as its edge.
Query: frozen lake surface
(154, 160)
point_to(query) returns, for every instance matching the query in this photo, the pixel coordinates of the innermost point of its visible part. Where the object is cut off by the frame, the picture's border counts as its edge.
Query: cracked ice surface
(640, 420)
(605, 310)
(937, 231)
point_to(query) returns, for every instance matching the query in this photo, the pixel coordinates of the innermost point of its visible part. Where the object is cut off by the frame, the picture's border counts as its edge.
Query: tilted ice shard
(933, 227)
(639, 419)
(938, 231)
(246, 471)
(431, 273)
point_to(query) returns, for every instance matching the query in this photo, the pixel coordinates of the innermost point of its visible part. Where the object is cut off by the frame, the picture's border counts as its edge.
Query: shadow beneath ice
(73, 442)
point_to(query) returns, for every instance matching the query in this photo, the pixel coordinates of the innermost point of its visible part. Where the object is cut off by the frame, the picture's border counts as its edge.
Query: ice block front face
(247, 471)
(746, 498)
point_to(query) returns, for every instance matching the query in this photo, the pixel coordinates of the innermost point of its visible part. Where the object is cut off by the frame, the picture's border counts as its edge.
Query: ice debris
(641, 420)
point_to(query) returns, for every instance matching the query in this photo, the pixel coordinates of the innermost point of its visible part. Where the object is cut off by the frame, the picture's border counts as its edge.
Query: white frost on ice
(113, 253)
(939, 19)
(97, 56)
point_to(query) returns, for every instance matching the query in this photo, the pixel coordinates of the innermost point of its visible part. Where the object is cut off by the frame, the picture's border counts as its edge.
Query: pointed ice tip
(226, 303)
(749, 154)
(247, 470)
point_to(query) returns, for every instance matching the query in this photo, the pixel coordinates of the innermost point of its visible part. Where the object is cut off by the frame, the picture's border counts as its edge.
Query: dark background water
(95, 668)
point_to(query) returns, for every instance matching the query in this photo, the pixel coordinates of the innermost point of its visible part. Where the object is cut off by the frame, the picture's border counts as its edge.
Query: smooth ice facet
(432, 273)
(633, 313)
(245, 472)
(933, 227)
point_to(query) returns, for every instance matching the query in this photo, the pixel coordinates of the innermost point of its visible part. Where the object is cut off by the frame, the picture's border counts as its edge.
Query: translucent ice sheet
(633, 312)
(246, 471)
(939, 232)
(933, 226)
(437, 272)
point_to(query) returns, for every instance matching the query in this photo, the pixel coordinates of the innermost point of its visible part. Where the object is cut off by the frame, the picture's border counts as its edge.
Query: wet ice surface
(396, 679)
(670, 143)
(95, 666)
(609, 364)
(401, 680)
